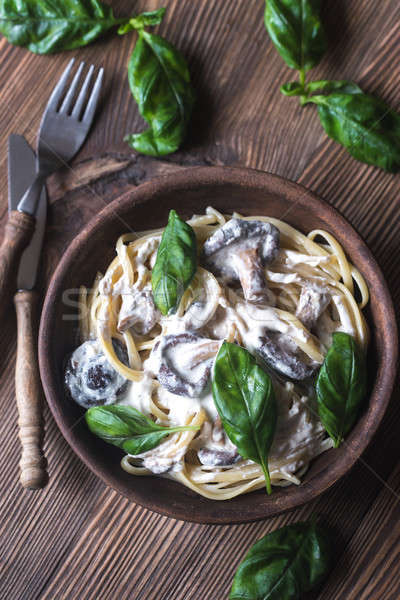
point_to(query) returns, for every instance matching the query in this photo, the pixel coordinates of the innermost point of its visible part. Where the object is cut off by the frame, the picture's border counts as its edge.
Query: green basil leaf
(145, 19)
(46, 26)
(341, 386)
(293, 88)
(296, 31)
(245, 400)
(127, 428)
(285, 564)
(160, 83)
(364, 125)
(328, 86)
(175, 265)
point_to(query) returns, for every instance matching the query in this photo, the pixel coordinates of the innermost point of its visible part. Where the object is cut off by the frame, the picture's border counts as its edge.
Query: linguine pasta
(313, 264)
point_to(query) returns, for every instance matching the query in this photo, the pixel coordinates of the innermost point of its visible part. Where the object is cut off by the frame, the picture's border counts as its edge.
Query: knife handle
(29, 393)
(18, 233)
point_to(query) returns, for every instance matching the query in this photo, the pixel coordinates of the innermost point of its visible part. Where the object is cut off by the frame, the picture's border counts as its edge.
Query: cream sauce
(298, 429)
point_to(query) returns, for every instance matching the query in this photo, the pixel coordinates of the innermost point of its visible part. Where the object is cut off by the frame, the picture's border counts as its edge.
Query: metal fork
(63, 129)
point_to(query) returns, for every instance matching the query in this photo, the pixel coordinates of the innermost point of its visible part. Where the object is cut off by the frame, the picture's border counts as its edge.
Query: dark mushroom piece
(218, 457)
(89, 377)
(138, 311)
(312, 304)
(282, 355)
(219, 451)
(239, 250)
(183, 363)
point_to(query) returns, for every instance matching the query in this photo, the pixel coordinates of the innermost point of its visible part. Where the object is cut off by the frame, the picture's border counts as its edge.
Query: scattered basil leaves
(160, 83)
(285, 564)
(127, 428)
(158, 74)
(46, 26)
(296, 31)
(245, 400)
(341, 386)
(175, 265)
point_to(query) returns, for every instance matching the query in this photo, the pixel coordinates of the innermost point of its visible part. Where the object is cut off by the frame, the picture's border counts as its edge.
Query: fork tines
(82, 98)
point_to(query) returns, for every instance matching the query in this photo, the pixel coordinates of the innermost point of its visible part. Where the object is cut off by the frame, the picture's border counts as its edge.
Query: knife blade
(28, 391)
(21, 173)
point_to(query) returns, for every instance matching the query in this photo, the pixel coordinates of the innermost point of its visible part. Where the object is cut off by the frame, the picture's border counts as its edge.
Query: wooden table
(77, 539)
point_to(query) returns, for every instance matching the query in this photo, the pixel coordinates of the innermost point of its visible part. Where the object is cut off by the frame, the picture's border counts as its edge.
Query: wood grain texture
(17, 234)
(28, 392)
(78, 539)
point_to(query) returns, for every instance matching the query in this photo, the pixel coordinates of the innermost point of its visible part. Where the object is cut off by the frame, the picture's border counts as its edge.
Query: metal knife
(28, 390)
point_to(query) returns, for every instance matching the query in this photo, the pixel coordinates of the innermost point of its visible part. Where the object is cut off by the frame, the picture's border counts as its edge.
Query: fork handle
(18, 233)
(28, 391)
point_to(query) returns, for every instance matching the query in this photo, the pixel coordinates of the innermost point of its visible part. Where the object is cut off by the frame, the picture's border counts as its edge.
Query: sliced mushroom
(283, 355)
(312, 303)
(89, 377)
(138, 311)
(219, 450)
(216, 457)
(182, 363)
(239, 250)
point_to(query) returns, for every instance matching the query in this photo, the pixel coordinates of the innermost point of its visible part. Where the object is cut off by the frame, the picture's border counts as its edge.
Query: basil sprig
(341, 386)
(46, 26)
(296, 31)
(245, 400)
(160, 83)
(127, 428)
(175, 265)
(363, 124)
(285, 564)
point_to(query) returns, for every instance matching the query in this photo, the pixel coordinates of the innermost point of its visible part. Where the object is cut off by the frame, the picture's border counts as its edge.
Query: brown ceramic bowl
(191, 191)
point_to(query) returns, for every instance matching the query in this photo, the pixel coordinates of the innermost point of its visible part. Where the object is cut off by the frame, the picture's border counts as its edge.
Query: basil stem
(175, 265)
(341, 386)
(127, 428)
(245, 400)
(284, 564)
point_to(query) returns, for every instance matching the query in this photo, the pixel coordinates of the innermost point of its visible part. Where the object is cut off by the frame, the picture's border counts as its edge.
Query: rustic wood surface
(79, 539)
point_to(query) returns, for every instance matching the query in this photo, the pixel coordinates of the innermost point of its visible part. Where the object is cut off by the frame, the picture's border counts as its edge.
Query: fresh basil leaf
(175, 265)
(285, 564)
(293, 88)
(341, 386)
(328, 86)
(46, 26)
(245, 400)
(296, 31)
(160, 83)
(143, 20)
(127, 428)
(364, 125)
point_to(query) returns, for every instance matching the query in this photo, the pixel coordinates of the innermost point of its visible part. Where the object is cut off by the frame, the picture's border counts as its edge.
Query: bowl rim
(243, 177)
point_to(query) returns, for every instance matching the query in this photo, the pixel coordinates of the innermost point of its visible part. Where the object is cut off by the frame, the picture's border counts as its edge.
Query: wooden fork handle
(29, 393)
(18, 233)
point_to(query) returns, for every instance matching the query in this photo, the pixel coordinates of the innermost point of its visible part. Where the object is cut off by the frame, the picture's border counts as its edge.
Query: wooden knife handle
(29, 393)
(18, 233)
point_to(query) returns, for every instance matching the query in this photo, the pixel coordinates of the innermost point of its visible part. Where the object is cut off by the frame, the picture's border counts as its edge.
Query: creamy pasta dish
(259, 283)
